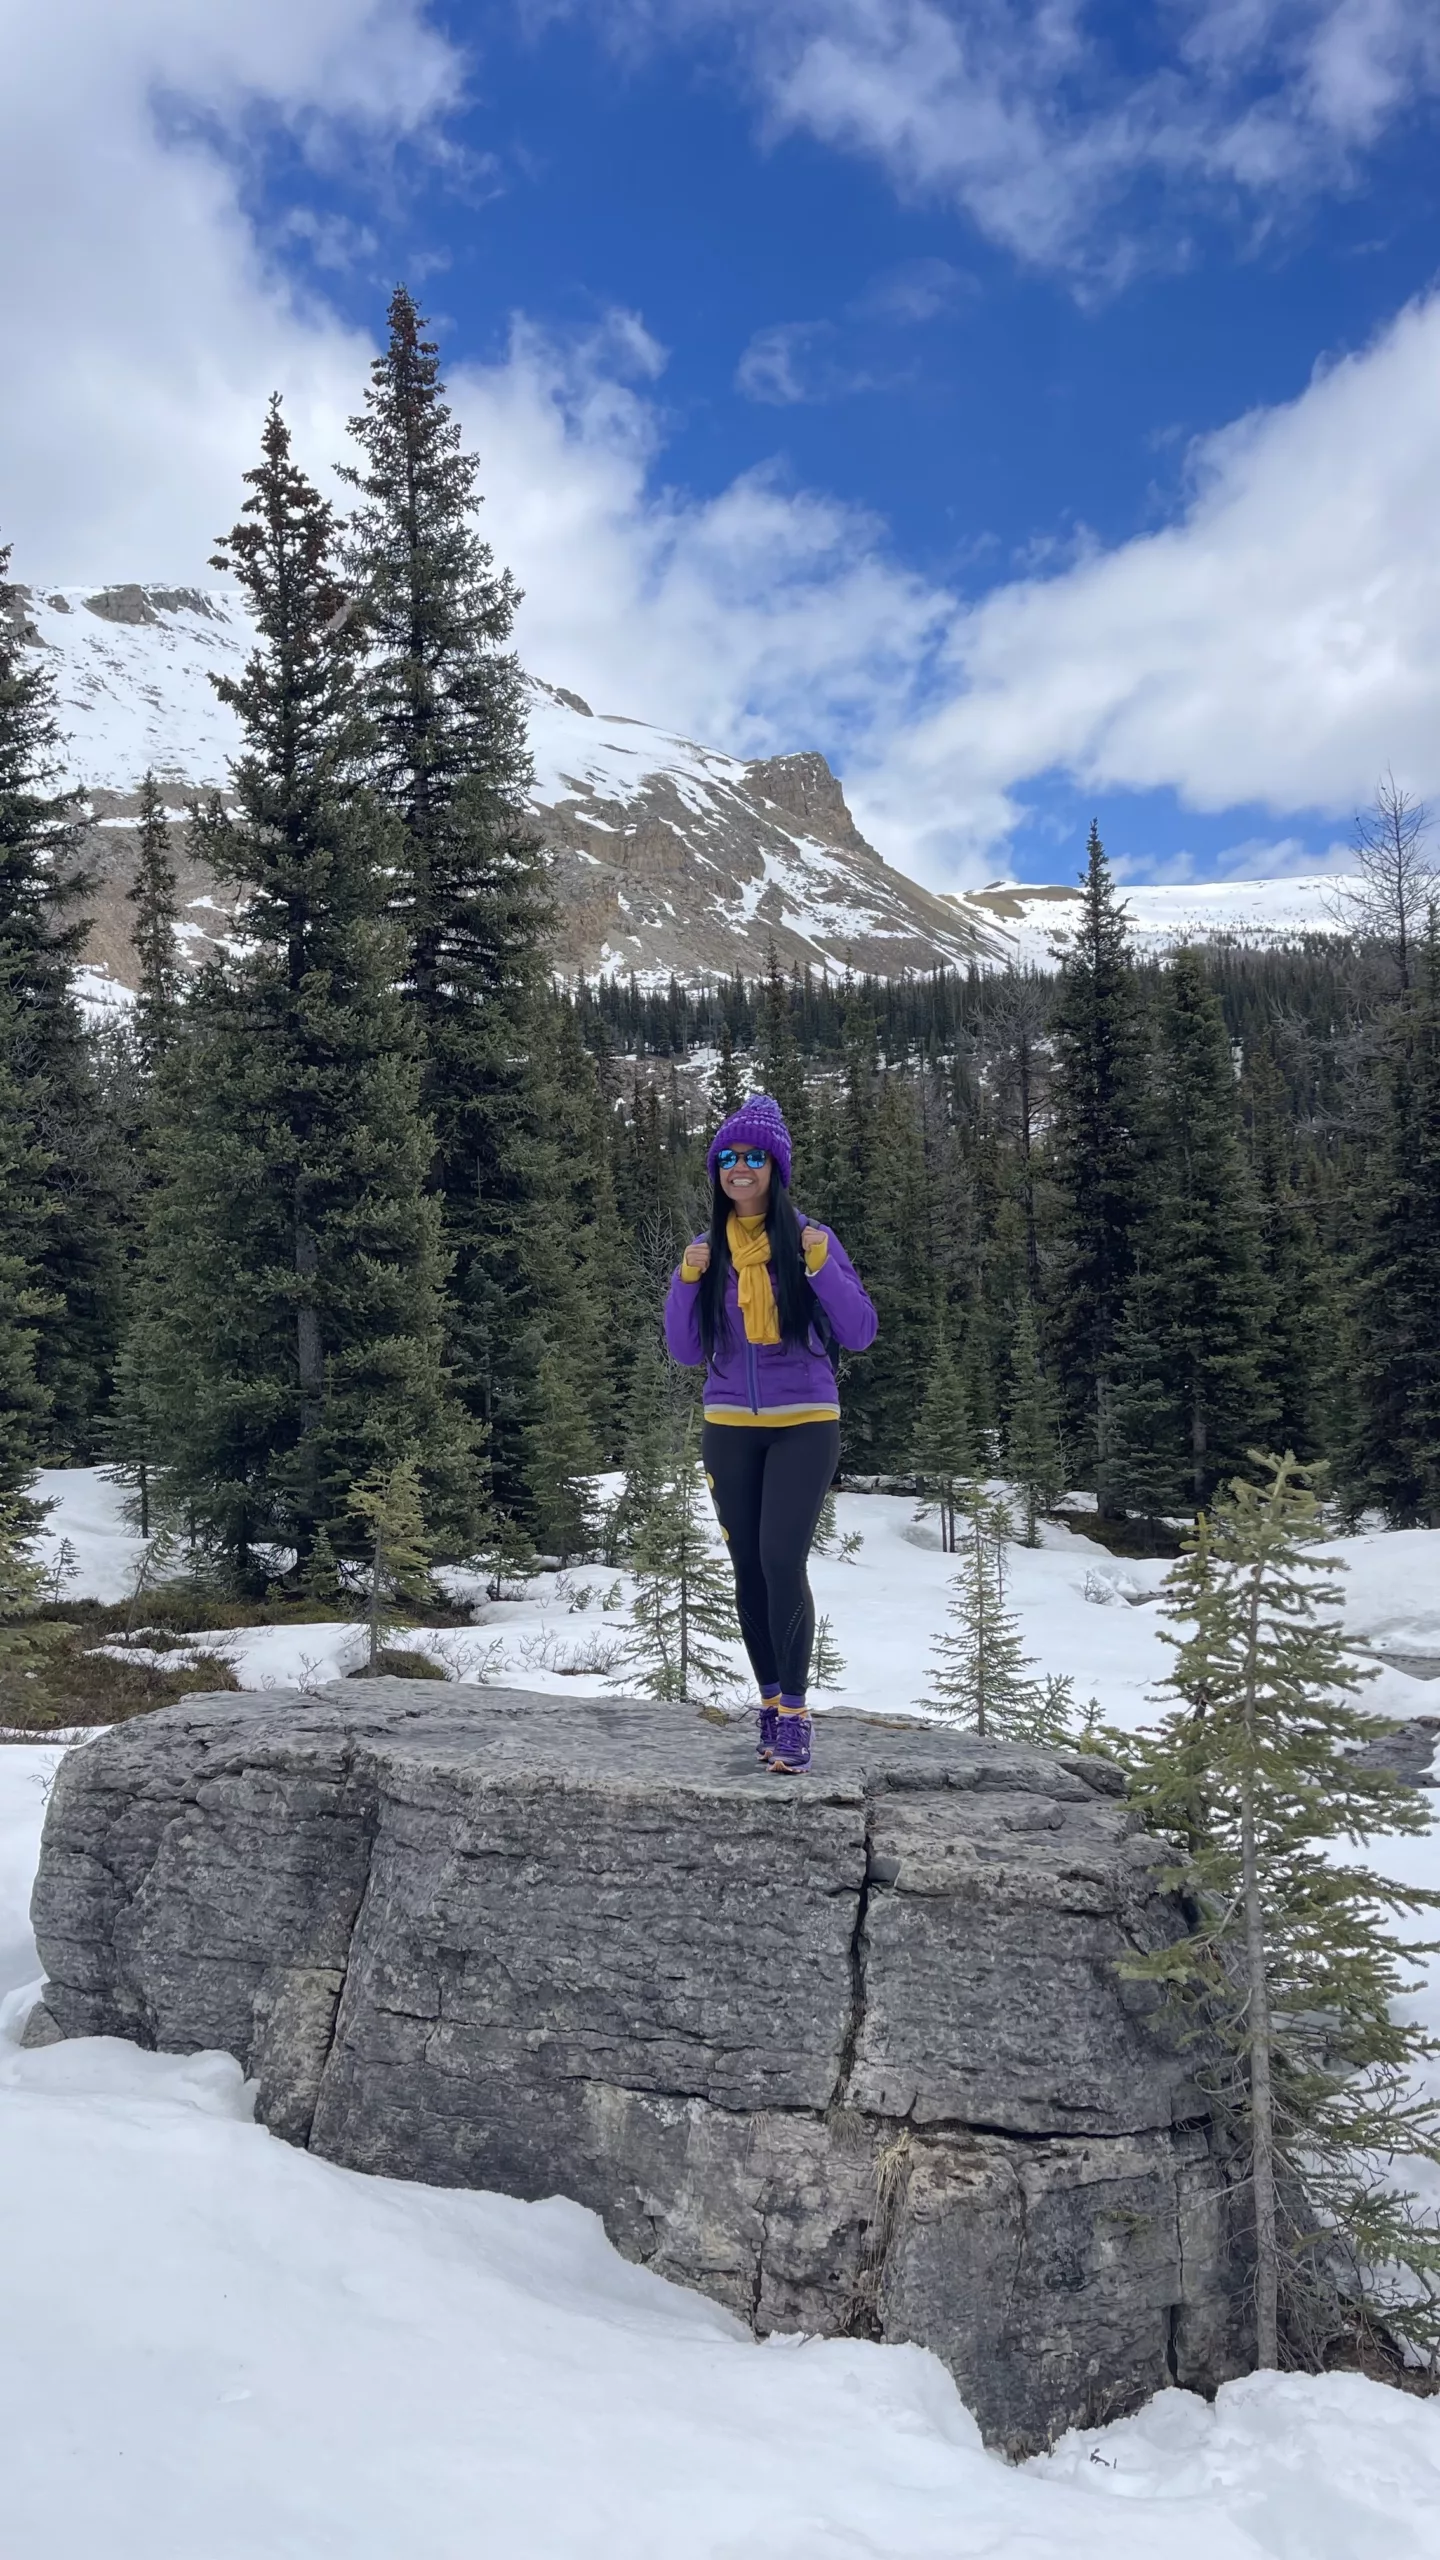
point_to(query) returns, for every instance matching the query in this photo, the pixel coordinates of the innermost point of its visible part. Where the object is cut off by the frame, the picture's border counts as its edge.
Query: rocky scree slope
(666, 857)
(854, 2057)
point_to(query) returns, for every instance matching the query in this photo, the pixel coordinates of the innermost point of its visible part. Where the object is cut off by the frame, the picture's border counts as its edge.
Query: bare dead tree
(1394, 880)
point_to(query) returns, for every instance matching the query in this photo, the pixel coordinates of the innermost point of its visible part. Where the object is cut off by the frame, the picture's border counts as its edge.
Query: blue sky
(854, 373)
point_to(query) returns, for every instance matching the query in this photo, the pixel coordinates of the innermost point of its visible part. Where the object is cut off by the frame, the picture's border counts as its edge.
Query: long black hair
(794, 1296)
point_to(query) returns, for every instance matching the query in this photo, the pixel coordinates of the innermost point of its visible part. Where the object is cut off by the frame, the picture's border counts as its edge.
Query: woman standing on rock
(757, 1301)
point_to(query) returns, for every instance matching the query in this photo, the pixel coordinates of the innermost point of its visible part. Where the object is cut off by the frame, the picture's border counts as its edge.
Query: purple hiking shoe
(792, 1745)
(765, 1747)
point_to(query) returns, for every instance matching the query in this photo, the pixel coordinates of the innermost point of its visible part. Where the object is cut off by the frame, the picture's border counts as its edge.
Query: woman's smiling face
(747, 1185)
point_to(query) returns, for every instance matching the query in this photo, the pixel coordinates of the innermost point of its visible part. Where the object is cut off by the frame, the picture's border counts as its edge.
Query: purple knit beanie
(758, 1123)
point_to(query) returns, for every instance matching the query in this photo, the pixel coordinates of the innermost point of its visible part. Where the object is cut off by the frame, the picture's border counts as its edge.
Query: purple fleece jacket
(773, 1377)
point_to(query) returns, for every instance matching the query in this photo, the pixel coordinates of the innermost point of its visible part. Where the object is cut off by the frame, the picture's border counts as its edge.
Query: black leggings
(769, 1484)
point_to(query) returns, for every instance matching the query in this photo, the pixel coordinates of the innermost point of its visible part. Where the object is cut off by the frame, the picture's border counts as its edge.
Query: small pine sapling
(982, 1679)
(62, 1568)
(827, 1663)
(321, 1580)
(390, 1506)
(23, 1647)
(828, 1540)
(1291, 1981)
(684, 1607)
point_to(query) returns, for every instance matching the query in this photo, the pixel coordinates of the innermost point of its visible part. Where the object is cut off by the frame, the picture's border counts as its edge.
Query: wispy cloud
(779, 365)
(909, 295)
(804, 361)
(1258, 858)
(1022, 113)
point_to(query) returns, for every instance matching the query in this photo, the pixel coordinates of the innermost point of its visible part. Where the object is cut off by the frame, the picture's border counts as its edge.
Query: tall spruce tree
(1303, 1343)
(1185, 1393)
(60, 1119)
(562, 1461)
(23, 1305)
(154, 896)
(1032, 1432)
(1395, 1458)
(1098, 1156)
(446, 700)
(1288, 1984)
(782, 1069)
(945, 1456)
(293, 1291)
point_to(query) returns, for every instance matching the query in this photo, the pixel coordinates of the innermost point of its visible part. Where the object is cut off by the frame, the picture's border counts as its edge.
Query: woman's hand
(812, 1238)
(697, 1256)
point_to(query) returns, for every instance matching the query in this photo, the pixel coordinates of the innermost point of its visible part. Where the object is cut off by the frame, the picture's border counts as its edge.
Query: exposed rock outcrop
(665, 856)
(853, 2056)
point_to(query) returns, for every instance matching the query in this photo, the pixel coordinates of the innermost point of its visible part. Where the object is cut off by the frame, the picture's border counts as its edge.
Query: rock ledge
(852, 2056)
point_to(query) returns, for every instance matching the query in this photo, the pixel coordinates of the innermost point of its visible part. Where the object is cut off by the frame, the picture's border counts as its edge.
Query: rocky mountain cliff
(666, 856)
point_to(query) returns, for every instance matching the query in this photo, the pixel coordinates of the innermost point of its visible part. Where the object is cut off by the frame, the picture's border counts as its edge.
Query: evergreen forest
(376, 1190)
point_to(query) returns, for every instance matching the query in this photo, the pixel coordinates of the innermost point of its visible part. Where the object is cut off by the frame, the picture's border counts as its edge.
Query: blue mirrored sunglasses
(754, 1157)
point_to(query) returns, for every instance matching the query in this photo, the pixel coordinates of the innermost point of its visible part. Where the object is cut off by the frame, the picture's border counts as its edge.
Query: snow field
(1081, 1611)
(213, 2344)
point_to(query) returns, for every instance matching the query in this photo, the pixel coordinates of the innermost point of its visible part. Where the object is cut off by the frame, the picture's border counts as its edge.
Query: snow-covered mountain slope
(666, 856)
(1254, 912)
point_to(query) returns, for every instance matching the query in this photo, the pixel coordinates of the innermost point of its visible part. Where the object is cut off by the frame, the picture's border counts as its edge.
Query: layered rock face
(664, 855)
(852, 2055)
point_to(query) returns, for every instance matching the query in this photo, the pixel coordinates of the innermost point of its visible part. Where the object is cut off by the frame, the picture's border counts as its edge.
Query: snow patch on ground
(1082, 1611)
(214, 2343)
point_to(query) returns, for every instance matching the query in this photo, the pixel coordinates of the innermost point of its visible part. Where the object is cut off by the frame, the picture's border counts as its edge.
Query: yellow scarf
(750, 1252)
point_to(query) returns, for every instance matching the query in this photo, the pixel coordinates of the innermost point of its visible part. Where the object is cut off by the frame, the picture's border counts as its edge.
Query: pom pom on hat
(758, 1123)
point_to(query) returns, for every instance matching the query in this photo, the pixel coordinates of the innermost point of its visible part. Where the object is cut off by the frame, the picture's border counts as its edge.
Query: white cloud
(142, 326)
(1279, 646)
(779, 367)
(912, 293)
(1276, 647)
(1017, 111)
(1258, 858)
(760, 619)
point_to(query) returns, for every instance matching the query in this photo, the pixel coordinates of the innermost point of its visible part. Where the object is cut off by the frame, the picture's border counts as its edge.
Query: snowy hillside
(1253, 912)
(132, 668)
(666, 856)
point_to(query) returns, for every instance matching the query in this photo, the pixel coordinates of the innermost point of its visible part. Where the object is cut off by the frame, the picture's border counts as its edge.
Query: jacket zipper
(751, 1377)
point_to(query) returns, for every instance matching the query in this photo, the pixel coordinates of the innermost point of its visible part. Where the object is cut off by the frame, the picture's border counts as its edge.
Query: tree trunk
(376, 1561)
(685, 1617)
(1106, 1507)
(1262, 2106)
(310, 1368)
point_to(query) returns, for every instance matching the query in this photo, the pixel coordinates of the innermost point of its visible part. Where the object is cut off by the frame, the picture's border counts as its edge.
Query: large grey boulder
(852, 2054)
